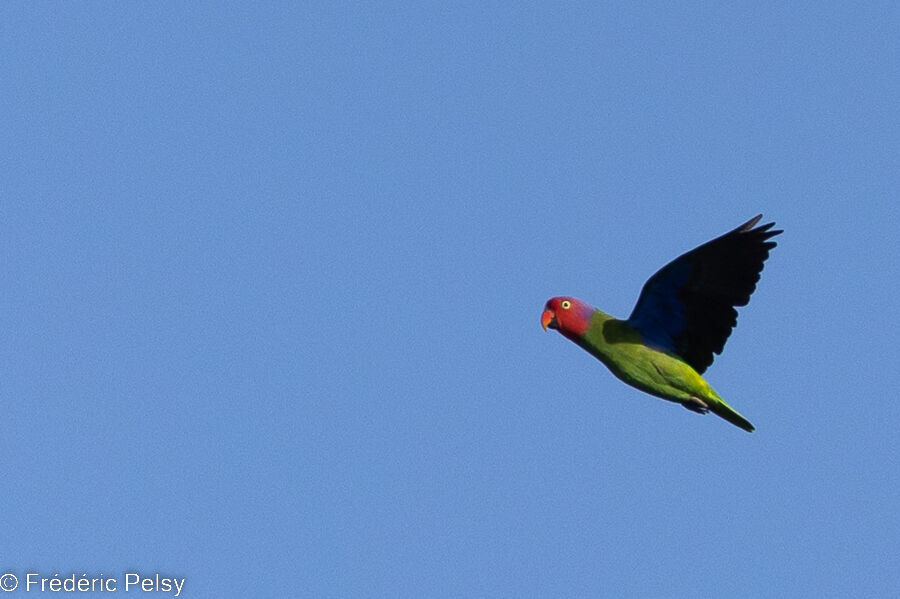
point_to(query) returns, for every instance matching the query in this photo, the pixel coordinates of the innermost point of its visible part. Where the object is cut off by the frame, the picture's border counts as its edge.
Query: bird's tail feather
(723, 410)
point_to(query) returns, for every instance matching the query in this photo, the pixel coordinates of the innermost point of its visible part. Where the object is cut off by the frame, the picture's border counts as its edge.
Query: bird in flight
(683, 316)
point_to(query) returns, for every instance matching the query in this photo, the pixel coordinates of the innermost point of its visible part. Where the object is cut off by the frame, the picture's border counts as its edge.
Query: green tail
(723, 410)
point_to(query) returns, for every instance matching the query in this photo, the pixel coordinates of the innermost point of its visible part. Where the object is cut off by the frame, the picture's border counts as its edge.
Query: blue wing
(688, 306)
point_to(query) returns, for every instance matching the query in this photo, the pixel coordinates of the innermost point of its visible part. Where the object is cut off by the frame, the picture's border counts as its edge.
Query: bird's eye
(566, 304)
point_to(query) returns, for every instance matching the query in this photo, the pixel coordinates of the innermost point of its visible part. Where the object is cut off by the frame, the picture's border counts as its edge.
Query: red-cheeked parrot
(683, 316)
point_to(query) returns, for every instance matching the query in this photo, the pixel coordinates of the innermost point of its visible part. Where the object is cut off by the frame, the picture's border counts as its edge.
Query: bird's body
(662, 374)
(684, 315)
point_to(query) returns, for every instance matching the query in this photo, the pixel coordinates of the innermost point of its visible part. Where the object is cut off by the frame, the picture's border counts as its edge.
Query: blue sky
(272, 278)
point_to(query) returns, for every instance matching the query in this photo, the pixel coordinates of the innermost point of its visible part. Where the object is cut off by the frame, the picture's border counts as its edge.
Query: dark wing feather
(687, 307)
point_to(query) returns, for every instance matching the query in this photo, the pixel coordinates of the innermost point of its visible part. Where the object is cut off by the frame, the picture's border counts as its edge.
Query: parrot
(684, 314)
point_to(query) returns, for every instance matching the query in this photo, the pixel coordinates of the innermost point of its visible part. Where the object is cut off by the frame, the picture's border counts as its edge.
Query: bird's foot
(695, 404)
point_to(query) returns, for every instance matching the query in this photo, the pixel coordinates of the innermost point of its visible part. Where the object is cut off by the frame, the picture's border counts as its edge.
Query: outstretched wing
(687, 307)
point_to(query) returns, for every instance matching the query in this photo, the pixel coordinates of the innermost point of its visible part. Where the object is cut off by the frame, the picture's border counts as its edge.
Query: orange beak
(548, 319)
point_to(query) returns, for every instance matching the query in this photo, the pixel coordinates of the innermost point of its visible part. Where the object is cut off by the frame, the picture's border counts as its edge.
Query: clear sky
(272, 277)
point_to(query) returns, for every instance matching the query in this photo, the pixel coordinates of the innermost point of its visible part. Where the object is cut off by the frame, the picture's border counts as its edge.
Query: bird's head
(569, 315)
